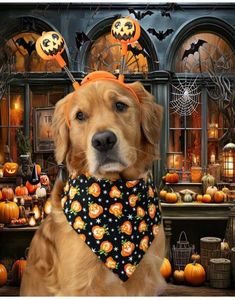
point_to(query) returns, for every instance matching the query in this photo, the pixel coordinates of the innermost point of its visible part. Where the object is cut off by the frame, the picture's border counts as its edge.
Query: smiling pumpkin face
(126, 29)
(49, 45)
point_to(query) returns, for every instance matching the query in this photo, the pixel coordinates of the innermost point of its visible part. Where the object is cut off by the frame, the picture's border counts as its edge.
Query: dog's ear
(151, 113)
(60, 130)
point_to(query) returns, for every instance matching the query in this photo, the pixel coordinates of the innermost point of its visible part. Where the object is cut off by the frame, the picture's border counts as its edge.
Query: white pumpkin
(41, 192)
(224, 246)
(211, 190)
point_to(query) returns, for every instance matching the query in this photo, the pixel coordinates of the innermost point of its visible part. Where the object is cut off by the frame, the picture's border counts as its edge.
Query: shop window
(199, 133)
(21, 48)
(105, 55)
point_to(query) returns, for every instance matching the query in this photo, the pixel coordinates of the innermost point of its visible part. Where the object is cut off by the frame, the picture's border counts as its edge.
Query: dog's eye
(80, 116)
(120, 106)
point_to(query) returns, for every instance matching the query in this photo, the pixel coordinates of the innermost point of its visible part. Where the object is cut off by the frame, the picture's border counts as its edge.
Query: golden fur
(59, 262)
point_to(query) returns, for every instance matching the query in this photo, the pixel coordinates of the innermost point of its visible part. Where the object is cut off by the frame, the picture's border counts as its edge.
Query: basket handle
(185, 236)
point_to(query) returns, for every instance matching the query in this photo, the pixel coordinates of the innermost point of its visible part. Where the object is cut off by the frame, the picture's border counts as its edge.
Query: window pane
(176, 141)
(176, 121)
(3, 141)
(13, 145)
(4, 111)
(17, 107)
(193, 146)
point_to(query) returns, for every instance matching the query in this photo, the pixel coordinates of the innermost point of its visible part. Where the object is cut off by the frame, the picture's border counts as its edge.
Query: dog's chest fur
(116, 219)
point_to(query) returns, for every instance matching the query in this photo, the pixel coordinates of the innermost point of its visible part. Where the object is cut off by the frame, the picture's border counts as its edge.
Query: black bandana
(117, 219)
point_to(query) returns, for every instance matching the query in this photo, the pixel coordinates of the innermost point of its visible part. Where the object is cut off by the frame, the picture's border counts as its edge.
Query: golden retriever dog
(129, 123)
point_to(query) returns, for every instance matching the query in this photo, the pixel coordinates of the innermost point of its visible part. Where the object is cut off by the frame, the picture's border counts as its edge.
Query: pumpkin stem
(194, 262)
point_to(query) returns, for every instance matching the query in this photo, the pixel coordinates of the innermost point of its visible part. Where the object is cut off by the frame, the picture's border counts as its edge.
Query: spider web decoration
(185, 98)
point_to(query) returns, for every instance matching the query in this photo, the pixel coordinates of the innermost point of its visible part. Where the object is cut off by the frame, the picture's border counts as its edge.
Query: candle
(212, 158)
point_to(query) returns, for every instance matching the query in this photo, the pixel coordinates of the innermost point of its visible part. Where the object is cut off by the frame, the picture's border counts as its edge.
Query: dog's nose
(104, 141)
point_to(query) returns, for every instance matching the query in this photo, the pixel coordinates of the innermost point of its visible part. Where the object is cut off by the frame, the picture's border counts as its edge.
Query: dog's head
(105, 129)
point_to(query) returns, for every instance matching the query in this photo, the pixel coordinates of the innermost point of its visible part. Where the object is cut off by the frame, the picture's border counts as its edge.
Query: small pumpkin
(219, 196)
(21, 190)
(188, 198)
(178, 276)
(206, 198)
(18, 270)
(41, 192)
(7, 193)
(172, 177)
(10, 169)
(32, 187)
(196, 257)
(194, 274)
(44, 179)
(3, 275)
(171, 198)
(199, 198)
(166, 268)
(162, 194)
(8, 211)
(211, 190)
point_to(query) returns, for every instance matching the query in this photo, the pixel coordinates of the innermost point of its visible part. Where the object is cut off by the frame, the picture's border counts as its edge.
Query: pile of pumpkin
(9, 210)
(193, 273)
(16, 273)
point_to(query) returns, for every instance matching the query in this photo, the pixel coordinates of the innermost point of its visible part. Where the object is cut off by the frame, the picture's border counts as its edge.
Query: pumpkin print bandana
(116, 219)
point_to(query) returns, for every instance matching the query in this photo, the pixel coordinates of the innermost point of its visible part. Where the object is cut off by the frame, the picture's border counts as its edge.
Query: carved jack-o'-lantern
(49, 45)
(10, 169)
(126, 30)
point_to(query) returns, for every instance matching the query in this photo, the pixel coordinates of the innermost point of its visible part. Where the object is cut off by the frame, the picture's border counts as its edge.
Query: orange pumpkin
(162, 194)
(206, 198)
(132, 200)
(8, 211)
(94, 189)
(199, 198)
(21, 190)
(127, 248)
(129, 269)
(18, 270)
(166, 269)
(126, 228)
(3, 275)
(171, 198)
(115, 193)
(95, 210)
(7, 193)
(172, 177)
(116, 209)
(178, 276)
(194, 274)
(32, 187)
(10, 169)
(219, 196)
(106, 247)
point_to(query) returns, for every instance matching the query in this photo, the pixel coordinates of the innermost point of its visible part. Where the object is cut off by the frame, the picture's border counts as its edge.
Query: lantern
(174, 161)
(213, 131)
(228, 163)
(196, 174)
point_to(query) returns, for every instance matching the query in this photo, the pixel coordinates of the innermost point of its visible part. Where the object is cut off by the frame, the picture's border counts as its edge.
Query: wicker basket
(233, 265)
(182, 252)
(209, 248)
(220, 273)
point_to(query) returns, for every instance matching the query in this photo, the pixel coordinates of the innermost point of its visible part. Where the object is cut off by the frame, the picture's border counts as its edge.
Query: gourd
(211, 190)
(178, 276)
(8, 211)
(196, 257)
(171, 198)
(21, 190)
(187, 198)
(194, 274)
(166, 268)
(41, 192)
(207, 180)
(206, 198)
(219, 196)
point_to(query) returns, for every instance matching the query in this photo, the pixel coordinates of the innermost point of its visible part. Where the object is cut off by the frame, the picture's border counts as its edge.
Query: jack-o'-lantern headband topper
(51, 45)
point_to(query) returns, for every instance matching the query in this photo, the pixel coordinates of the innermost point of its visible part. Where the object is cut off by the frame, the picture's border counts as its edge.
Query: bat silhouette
(137, 51)
(29, 46)
(160, 34)
(165, 12)
(194, 47)
(138, 14)
(81, 38)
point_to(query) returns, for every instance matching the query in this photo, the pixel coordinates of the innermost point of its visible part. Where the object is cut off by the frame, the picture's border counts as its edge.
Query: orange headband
(101, 75)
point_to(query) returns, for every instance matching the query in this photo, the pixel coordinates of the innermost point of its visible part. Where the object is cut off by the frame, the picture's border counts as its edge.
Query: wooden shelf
(18, 229)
